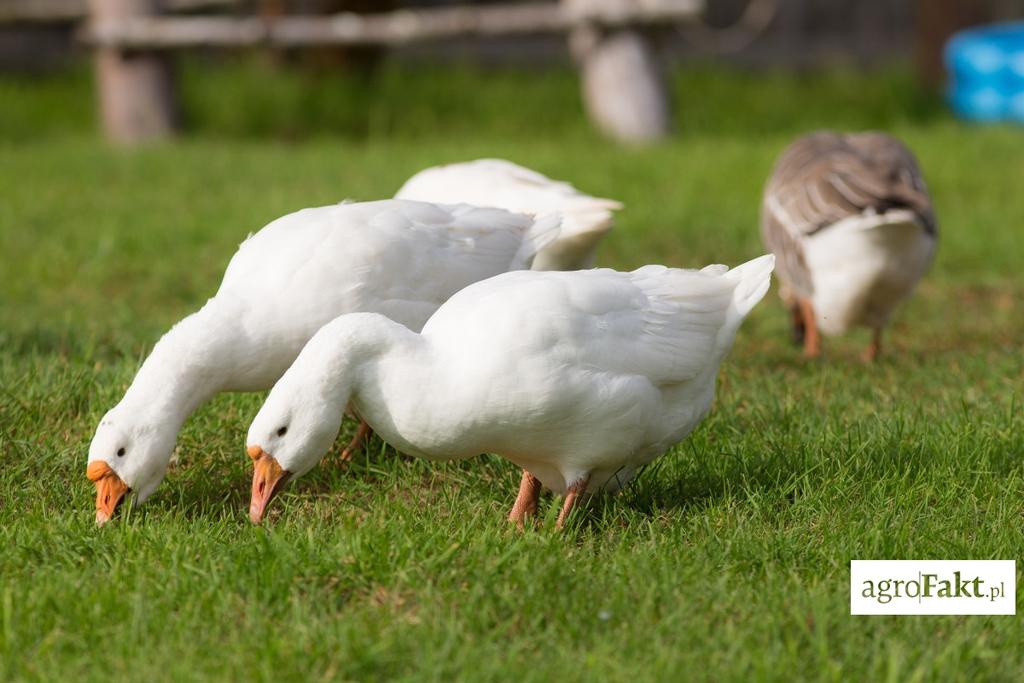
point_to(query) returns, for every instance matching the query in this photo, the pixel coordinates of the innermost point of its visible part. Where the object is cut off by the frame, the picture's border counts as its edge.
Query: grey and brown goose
(851, 224)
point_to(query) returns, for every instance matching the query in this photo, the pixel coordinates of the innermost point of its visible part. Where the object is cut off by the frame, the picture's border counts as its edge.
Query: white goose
(398, 258)
(851, 222)
(577, 377)
(500, 183)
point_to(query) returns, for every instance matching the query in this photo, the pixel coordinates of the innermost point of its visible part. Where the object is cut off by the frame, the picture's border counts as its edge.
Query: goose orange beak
(110, 490)
(267, 480)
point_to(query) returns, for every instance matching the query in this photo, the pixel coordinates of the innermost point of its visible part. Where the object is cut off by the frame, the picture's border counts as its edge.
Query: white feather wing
(400, 258)
(655, 322)
(500, 183)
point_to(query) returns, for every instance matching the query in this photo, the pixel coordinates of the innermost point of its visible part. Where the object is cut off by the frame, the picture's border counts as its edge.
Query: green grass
(727, 560)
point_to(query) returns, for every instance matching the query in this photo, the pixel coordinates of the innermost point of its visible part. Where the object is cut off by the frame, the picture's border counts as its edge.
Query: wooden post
(935, 21)
(136, 88)
(624, 86)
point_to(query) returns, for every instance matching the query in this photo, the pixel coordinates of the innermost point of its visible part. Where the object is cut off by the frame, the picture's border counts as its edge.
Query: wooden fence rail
(393, 28)
(66, 11)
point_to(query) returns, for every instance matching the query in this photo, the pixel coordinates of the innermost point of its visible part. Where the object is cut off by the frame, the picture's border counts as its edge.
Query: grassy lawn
(727, 560)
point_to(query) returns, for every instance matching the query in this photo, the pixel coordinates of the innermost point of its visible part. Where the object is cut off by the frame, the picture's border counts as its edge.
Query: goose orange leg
(874, 348)
(812, 340)
(362, 434)
(526, 501)
(571, 497)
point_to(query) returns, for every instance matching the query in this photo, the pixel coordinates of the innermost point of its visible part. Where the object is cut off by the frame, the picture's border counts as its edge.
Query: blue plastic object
(986, 68)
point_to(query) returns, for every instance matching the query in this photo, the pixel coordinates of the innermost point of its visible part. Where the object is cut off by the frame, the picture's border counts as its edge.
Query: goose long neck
(371, 360)
(396, 381)
(189, 364)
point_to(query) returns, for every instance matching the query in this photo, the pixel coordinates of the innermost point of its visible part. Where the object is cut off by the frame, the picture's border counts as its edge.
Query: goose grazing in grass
(851, 222)
(500, 183)
(577, 377)
(397, 258)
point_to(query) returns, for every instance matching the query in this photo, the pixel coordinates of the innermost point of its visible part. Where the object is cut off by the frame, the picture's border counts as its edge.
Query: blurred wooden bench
(624, 89)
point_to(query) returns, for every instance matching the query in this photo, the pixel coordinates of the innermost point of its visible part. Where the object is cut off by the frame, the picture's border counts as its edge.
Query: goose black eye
(282, 431)
(120, 452)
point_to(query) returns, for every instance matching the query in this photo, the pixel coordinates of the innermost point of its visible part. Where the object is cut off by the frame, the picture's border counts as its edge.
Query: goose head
(127, 455)
(302, 414)
(290, 434)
